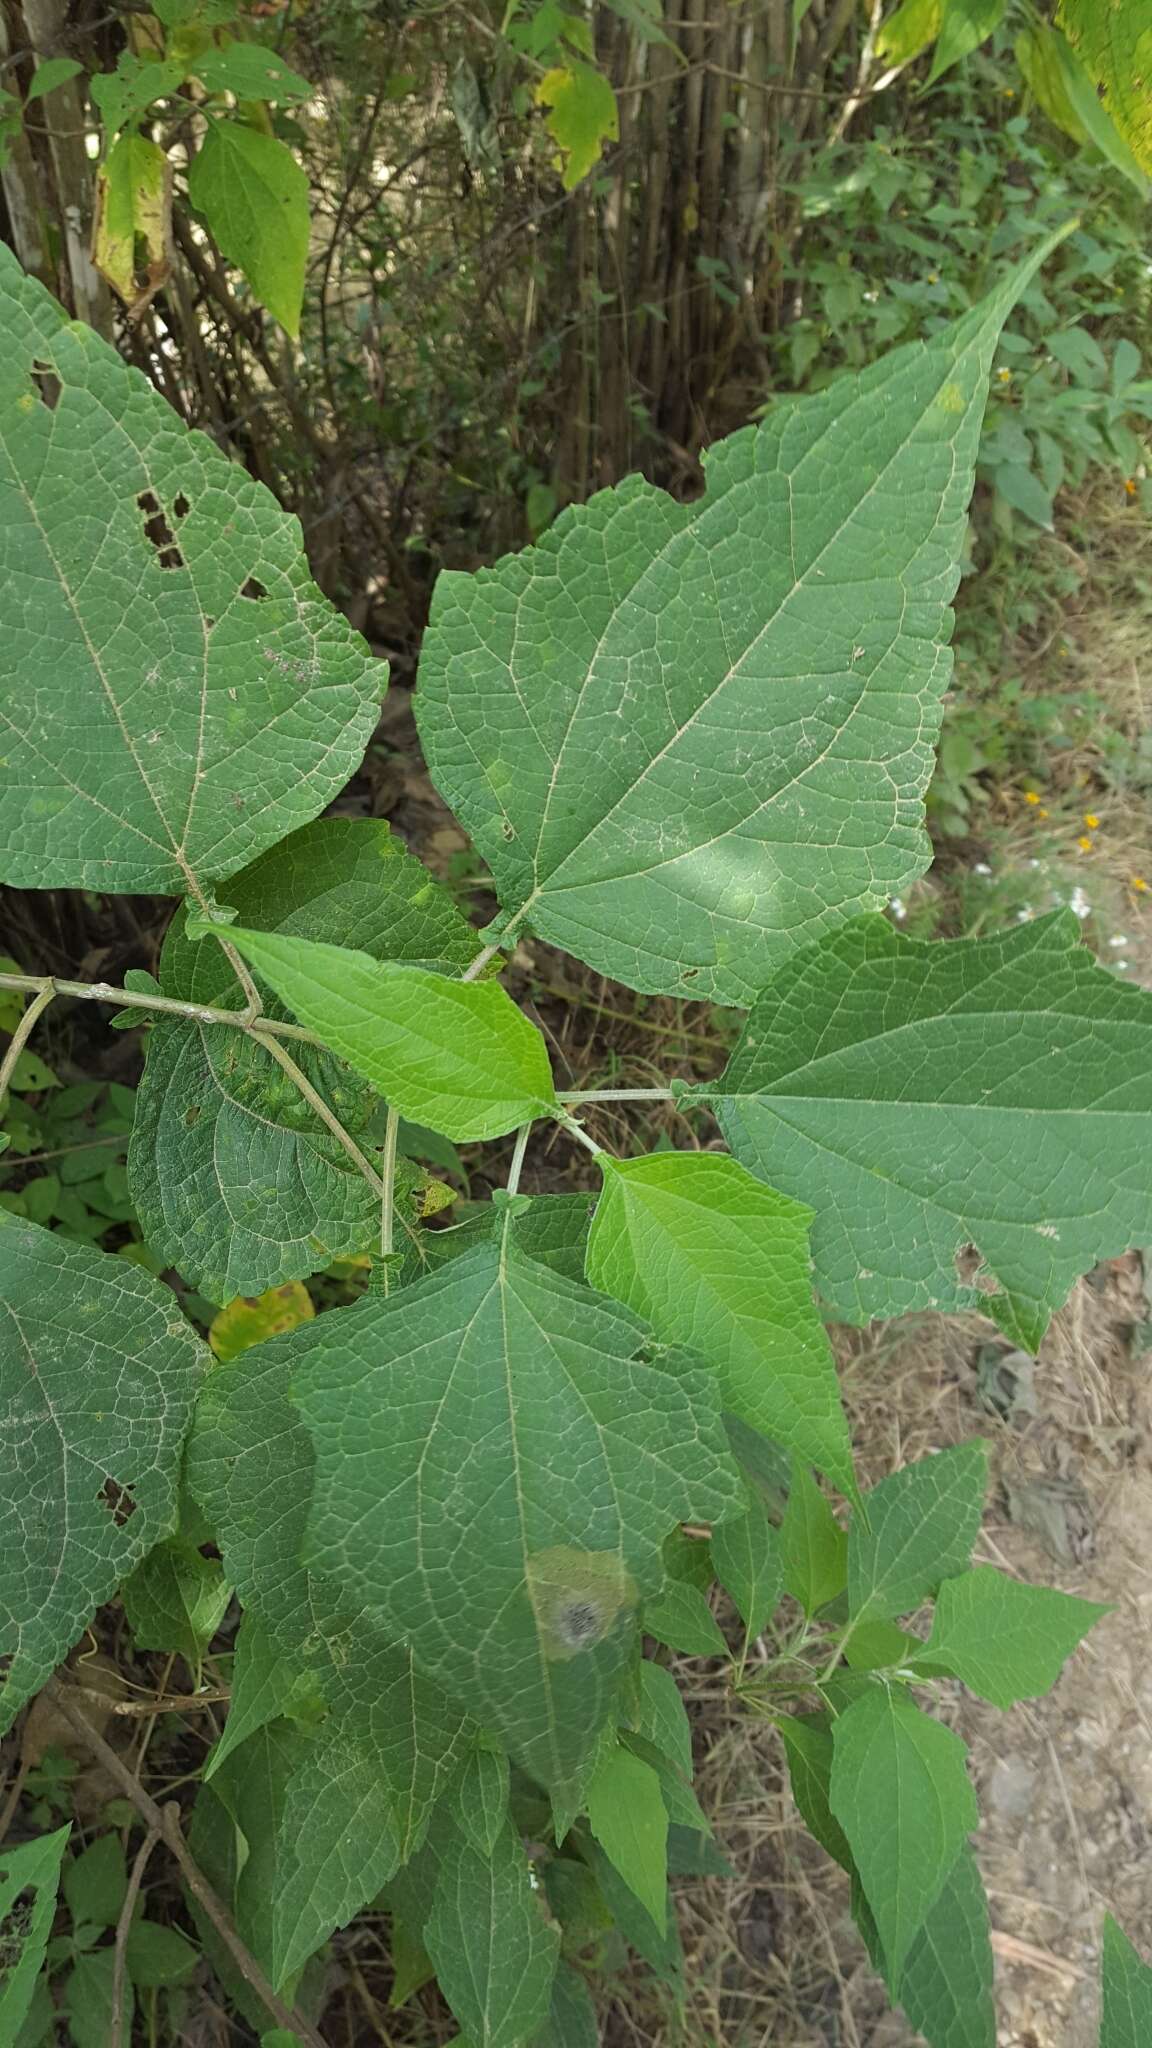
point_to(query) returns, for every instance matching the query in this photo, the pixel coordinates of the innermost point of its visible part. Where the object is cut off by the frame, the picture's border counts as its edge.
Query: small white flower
(1078, 902)
(1118, 939)
(898, 908)
(981, 867)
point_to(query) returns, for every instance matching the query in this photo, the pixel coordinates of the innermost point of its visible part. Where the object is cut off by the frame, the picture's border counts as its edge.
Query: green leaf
(627, 1815)
(26, 1923)
(878, 1645)
(251, 1466)
(921, 1524)
(265, 1685)
(338, 1840)
(494, 1953)
(158, 1956)
(661, 1951)
(149, 765)
(47, 76)
(1022, 489)
(687, 738)
(714, 1260)
(251, 72)
(132, 238)
(807, 1740)
(661, 1717)
(1127, 1987)
(571, 2021)
(928, 1096)
(813, 1546)
(235, 1180)
(680, 1616)
(908, 31)
(582, 116)
(121, 96)
(900, 1791)
(746, 1553)
(964, 26)
(88, 2001)
(946, 1989)
(482, 1798)
(455, 1055)
(1038, 54)
(254, 197)
(98, 1373)
(514, 1470)
(1004, 1640)
(1114, 45)
(175, 1600)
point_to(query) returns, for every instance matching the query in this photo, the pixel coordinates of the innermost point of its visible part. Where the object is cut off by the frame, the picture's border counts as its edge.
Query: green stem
(316, 1102)
(615, 1095)
(388, 1182)
(23, 1033)
(518, 1151)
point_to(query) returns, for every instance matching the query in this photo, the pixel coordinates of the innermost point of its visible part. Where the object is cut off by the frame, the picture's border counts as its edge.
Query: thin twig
(316, 1102)
(178, 1703)
(13, 1799)
(165, 1821)
(123, 1928)
(168, 1006)
(23, 1033)
(240, 970)
(575, 1130)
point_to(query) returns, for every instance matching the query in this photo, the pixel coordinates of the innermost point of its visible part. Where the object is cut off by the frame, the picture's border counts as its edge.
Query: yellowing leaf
(132, 238)
(1113, 39)
(252, 1318)
(910, 30)
(582, 117)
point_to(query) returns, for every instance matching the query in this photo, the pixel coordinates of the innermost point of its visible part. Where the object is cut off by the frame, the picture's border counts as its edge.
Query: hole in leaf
(690, 974)
(7, 1659)
(47, 384)
(157, 531)
(253, 588)
(120, 1501)
(181, 508)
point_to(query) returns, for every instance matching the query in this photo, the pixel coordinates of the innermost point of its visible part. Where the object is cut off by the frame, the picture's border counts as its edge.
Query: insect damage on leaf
(577, 1595)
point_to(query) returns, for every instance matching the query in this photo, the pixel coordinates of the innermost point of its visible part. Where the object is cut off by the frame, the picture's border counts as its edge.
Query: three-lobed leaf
(899, 1790)
(175, 693)
(1004, 1640)
(688, 737)
(926, 1096)
(455, 1055)
(99, 1373)
(920, 1526)
(496, 1471)
(713, 1259)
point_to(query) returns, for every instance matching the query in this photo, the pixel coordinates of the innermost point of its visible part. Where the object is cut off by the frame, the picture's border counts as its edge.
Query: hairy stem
(165, 1822)
(476, 967)
(168, 1006)
(576, 1095)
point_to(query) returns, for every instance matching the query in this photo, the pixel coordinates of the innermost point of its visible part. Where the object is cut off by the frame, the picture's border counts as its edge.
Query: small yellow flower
(1092, 821)
(1005, 376)
(1030, 796)
(1084, 843)
(933, 277)
(1008, 92)
(1064, 647)
(1130, 486)
(1140, 884)
(1041, 813)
